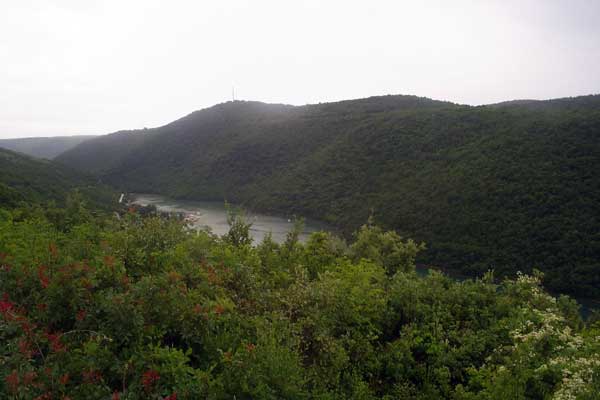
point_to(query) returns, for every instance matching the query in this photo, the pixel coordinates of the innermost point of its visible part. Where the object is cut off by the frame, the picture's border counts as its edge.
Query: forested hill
(509, 186)
(43, 147)
(29, 181)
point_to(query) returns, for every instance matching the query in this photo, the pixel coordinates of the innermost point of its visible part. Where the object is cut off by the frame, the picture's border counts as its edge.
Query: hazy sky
(91, 67)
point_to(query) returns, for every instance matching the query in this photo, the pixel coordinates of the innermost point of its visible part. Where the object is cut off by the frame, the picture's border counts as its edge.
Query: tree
(385, 248)
(239, 227)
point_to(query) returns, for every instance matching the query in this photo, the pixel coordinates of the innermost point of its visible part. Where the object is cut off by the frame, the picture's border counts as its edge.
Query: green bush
(141, 308)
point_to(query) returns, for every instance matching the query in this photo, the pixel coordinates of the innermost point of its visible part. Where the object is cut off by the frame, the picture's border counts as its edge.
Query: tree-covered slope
(43, 147)
(102, 153)
(204, 136)
(26, 180)
(508, 186)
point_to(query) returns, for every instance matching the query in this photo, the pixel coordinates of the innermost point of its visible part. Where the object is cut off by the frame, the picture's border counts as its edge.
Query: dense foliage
(28, 181)
(134, 307)
(43, 147)
(510, 186)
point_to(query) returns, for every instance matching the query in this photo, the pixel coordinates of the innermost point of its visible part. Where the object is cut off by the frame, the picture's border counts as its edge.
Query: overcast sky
(91, 67)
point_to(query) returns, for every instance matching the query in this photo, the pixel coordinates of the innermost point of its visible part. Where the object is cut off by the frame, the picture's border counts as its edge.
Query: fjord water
(213, 215)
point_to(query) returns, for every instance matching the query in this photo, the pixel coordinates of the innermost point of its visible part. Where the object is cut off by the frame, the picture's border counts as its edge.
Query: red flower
(27, 326)
(219, 309)
(29, 377)
(171, 397)
(42, 306)
(12, 381)
(116, 396)
(250, 347)
(197, 309)
(44, 280)
(64, 379)
(91, 376)
(25, 348)
(81, 315)
(55, 343)
(5, 305)
(149, 378)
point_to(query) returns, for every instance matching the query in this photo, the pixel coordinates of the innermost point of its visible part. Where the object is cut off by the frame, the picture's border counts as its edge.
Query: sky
(70, 67)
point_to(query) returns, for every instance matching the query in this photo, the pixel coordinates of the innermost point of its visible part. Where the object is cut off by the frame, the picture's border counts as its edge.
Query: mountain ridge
(43, 147)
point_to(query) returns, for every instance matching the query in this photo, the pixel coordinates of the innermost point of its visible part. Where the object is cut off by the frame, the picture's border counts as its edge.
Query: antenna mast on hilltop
(232, 93)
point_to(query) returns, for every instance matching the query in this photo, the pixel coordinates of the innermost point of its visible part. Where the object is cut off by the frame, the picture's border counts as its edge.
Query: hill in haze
(31, 181)
(507, 187)
(43, 147)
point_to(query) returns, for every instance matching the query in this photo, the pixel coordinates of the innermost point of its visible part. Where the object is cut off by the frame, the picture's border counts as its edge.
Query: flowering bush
(140, 308)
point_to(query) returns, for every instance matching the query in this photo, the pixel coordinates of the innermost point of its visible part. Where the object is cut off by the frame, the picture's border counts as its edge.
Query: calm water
(212, 215)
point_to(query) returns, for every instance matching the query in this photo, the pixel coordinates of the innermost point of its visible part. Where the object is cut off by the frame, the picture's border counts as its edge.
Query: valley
(508, 186)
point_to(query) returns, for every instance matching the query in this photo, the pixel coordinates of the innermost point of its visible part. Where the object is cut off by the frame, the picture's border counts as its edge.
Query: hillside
(508, 186)
(26, 180)
(43, 147)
